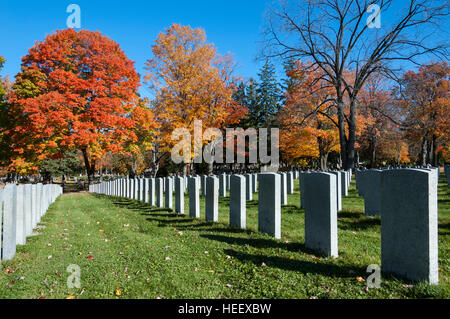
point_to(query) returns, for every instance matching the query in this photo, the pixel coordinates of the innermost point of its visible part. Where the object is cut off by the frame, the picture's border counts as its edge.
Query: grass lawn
(130, 249)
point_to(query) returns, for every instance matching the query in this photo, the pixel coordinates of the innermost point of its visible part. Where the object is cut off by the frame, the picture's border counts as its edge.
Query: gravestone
(204, 185)
(194, 197)
(168, 192)
(151, 192)
(179, 195)
(409, 224)
(371, 186)
(302, 188)
(141, 189)
(159, 193)
(212, 199)
(146, 190)
(222, 185)
(290, 182)
(34, 206)
(248, 187)
(269, 204)
(321, 213)
(9, 222)
(283, 193)
(338, 190)
(28, 204)
(344, 183)
(20, 215)
(255, 183)
(238, 201)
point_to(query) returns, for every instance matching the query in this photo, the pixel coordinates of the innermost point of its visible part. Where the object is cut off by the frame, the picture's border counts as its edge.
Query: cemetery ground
(127, 249)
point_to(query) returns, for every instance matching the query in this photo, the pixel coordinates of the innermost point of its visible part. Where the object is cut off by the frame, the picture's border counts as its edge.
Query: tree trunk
(350, 163)
(341, 127)
(423, 151)
(90, 168)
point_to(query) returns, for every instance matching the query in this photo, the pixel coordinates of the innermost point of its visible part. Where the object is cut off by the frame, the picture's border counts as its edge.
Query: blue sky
(234, 26)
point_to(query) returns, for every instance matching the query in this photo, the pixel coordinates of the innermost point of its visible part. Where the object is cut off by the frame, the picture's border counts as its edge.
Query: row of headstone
(21, 209)
(407, 203)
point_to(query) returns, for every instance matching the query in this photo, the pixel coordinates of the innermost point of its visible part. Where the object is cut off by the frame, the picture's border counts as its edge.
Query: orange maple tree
(425, 103)
(308, 121)
(75, 90)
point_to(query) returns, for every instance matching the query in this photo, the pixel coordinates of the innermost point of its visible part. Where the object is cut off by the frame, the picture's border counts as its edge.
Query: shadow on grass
(305, 267)
(261, 243)
(361, 223)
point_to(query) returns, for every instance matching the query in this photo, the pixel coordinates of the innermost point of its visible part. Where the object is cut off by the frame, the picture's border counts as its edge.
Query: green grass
(130, 242)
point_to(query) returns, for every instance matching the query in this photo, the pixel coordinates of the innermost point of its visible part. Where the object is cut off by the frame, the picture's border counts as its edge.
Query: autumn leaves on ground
(127, 249)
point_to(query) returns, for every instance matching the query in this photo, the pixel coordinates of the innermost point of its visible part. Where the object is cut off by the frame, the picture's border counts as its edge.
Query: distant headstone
(269, 204)
(179, 195)
(168, 192)
(212, 199)
(194, 197)
(248, 187)
(222, 185)
(338, 189)
(344, 183)
(290, 182)
(371, 187)
(283, 194)
(238, 201)
(159, 193)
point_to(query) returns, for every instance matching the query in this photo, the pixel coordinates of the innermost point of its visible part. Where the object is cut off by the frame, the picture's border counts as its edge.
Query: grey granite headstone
(338, 189)
(269, 204)
(194, 197)
(28, 204)
(179, 195)
(212, 199)
(9, 222)
(321, 213)
(203, 185)
(409, 224)
(168, 192)
(34, 206)
(151, 192)
(290, 182)
(20, 216)
(222, 185)
(159, 193)
(248, 187)
(283, 179)
(255, 183)
(344, 183)
(371, 186)
(238, 201)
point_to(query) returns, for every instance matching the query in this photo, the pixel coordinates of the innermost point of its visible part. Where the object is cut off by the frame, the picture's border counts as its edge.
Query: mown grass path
(126, 249)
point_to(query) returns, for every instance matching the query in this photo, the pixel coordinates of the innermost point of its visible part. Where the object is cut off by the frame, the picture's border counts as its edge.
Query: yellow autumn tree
(191, 81)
